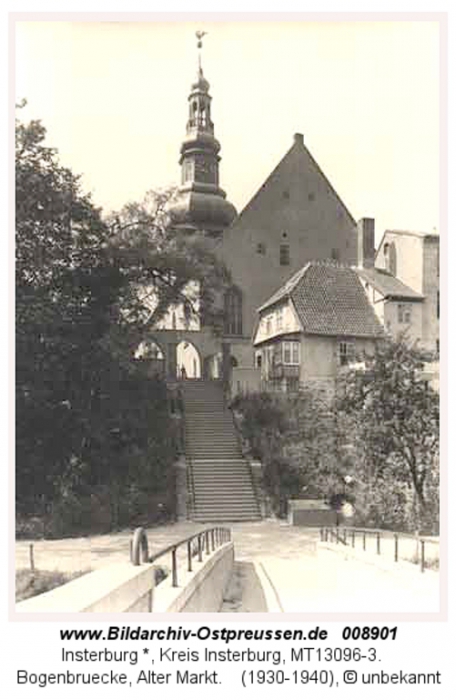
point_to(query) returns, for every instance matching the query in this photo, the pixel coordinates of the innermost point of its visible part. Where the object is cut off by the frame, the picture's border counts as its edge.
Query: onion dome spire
(201, 204)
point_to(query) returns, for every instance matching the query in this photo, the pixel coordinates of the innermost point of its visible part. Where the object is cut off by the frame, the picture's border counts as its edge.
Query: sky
(365, 94)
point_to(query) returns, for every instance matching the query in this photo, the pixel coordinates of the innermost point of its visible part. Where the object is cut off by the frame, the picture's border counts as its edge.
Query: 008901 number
(369, 633)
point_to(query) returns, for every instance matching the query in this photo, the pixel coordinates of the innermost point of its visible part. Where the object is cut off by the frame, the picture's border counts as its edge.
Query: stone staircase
(218, 475)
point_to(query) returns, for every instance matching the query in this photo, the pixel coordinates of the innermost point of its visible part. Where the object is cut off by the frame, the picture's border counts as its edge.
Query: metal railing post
(200, 548)
(138, 546)
(189, 554)
(396, 546)
(378, 542)
(364, 540)
(353, 538)
(174, 566)
(423, 560)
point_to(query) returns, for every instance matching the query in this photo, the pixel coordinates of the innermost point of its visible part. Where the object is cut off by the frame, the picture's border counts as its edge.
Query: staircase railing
(203, 542)
(188, 462)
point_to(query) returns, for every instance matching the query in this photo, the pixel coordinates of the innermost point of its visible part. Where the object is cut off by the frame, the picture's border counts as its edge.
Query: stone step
(220, 466)
(223, 486)
(224, 512)
(231, 504)
(228, 445)
(210, 517)
(208, 451)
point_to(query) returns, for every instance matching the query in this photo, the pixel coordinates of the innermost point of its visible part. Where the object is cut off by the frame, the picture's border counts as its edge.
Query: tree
(165, 267)
(87, 417)
(295, 438)
(65, 288)
(397, 417)
(83, 417)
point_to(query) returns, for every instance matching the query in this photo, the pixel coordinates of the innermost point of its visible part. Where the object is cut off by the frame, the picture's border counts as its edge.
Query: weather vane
(199, 36)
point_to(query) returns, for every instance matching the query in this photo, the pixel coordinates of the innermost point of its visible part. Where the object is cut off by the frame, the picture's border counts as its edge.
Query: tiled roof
(330, 300)
(284, 290)
(388, 285)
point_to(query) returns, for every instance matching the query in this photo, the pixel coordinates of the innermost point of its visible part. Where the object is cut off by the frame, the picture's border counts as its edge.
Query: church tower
(201, 204)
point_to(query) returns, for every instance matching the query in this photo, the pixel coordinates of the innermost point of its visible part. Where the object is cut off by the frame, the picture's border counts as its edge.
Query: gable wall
(409, 252)
(314, 227)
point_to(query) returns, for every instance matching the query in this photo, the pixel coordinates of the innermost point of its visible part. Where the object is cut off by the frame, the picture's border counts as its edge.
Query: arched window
(389, 252)
(233, 312)
(386, 255)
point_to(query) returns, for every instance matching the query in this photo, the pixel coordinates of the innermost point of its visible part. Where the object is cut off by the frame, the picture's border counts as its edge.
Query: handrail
(340, 536)
(207, 540)
(188, 459)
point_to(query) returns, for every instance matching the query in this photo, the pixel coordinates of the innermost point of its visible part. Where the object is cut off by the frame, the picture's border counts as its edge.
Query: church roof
(329, 300)
(299, 161)
(388, 285)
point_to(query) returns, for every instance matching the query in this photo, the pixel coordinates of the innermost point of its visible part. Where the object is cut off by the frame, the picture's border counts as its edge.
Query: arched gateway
(203, 355)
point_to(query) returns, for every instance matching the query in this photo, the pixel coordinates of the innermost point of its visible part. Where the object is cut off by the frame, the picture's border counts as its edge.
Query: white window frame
(293, 345)
(346, 352)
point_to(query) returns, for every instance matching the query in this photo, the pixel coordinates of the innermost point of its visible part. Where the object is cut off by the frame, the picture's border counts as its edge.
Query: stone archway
(188, 360)
(151, 355)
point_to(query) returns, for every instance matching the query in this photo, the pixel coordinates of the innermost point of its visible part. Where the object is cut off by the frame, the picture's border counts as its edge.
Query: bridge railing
(420, 550)
(197, 545)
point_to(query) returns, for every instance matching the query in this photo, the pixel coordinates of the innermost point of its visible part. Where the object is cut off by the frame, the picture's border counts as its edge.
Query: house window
(346, 352)
(290, 352)
(284, 254)
(261, 249)
(393, 259)
(404, 313)
(233, 312)
(386, 255)
(389, 252)
(335, 253)
(279, 320)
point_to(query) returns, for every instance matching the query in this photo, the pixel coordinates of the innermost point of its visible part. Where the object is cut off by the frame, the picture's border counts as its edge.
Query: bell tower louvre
(201, 204)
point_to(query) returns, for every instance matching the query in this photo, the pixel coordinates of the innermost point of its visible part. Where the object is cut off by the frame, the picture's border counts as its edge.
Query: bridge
(259, 566)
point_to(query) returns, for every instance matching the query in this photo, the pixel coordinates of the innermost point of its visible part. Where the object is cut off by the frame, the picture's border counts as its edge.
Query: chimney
(366, 242)
(299, 138)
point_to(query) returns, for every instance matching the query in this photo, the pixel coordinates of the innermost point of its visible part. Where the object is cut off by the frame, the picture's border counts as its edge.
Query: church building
(295, 218)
